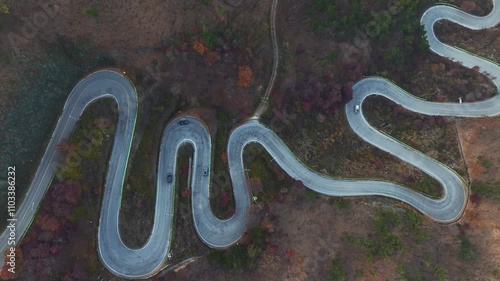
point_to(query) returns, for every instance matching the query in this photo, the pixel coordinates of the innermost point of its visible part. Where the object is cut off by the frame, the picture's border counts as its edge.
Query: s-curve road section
(451, 206)
(146, 261)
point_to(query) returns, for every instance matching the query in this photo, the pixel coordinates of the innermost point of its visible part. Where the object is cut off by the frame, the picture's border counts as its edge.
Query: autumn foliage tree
(64, 197)
(70, 193)
(51, 228)
(245, 77)
(4, 9)
(48, 222)
(199, 47)
(347, 93)
(5, 274)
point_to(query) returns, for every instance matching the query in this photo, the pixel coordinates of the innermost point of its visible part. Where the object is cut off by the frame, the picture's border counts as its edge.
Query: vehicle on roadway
(183, 122)
(169, 178)
(356, 108)
(205, 171)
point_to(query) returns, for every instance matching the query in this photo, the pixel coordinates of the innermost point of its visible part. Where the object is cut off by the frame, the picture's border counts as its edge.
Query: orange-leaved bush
(199, 47)
(245, 77)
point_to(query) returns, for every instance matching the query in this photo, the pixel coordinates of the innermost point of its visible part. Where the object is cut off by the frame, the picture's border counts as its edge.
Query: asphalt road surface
(151, 258)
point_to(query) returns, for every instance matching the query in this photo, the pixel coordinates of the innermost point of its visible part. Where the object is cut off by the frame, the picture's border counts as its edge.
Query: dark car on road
(169, 178)
(205, 171)
(183, 122)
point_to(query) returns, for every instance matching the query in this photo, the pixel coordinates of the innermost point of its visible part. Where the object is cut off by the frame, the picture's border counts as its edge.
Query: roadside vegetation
(268, 181)
(487, 189)
(4, 8)
(466, 250)
(396, 235)
(91, 12)
(384, 243)
(221, 190)
(484, 162)
(337, 271)
(242, 256)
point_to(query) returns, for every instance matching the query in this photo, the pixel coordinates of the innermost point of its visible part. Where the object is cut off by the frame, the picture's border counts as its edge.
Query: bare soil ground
(479, 138)
(308, 235)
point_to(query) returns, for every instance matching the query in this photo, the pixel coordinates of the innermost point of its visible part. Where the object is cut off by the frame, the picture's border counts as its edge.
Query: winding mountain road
(151, 258)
